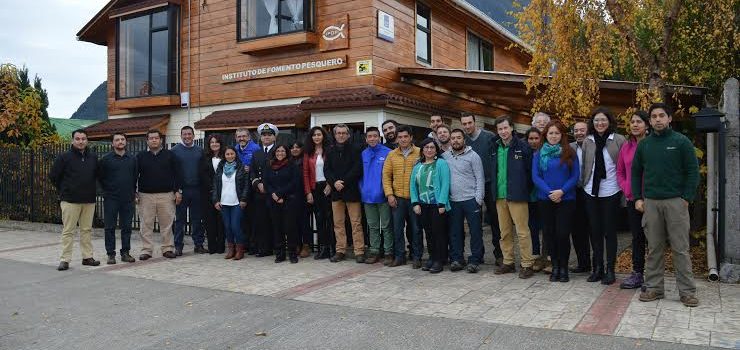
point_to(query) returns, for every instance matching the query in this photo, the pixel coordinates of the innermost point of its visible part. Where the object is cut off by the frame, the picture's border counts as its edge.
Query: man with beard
(117, 174)
(389, 133)
(443, 137)
(245, 149)
(188, 156)
(466, 197)
(434, 122)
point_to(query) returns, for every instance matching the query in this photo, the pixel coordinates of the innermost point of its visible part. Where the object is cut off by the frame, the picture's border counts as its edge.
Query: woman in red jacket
(316, 189)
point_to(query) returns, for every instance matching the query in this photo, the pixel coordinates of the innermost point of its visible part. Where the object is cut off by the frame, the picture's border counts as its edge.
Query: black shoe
(416, 264)
(280, 256)
(564, 274)
(178, 251)
(360, 258)
(397, 262)
(252, 251)
(262, 254)
(436, 268)
(126, 257)
(200, 250)
(337, 257)
(555, 275)
(143, 257)
(90, 262)
(473, 268)
(322, 253)
(428, 265)
(63, 265)
(169, 255)
(596, 275)
(111, 260)
(580, 269)
(456, 266)
(609, 277)
(293, 258)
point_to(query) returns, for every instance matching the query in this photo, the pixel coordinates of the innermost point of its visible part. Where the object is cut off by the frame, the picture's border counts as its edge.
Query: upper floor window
(147, 53)
(480, 53)
(259, 18)
(423, 33)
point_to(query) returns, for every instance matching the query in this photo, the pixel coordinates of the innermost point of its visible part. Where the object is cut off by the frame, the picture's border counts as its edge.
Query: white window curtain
(296, 12)
(272, 9)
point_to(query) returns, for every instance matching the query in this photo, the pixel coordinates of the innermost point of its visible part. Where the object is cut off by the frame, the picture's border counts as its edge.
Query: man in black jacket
(262, 224)
(343, 170)
(73, 174)
(511, 184)
(159, 190)
(117, 173)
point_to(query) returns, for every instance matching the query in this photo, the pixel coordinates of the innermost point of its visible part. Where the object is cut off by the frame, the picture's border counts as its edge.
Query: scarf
(548, 152)
(277, 164)
(229, 168)
(600, 167)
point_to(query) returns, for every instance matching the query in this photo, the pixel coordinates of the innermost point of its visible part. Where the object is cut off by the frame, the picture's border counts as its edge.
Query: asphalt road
(41, 308)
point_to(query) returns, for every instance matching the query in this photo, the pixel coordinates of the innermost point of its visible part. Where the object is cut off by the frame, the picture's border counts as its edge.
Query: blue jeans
(190, 199)
(232, 217)
(404, 213)
(466, 210)
(121, 213)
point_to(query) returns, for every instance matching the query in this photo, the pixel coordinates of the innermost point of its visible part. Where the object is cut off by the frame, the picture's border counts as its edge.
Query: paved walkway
(536, 303)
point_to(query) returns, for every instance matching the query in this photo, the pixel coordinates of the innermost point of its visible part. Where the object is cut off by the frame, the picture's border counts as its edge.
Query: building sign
(364, 67)
(386, 28)
(334, 33)
(301, 67)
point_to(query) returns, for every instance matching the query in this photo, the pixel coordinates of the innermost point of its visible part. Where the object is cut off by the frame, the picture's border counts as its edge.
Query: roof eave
(83, 34)
(496, 26)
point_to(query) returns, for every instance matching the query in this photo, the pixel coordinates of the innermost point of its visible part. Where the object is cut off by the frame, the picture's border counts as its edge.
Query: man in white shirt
(580, 234)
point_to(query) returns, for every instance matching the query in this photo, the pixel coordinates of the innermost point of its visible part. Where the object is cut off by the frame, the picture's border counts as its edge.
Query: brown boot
(239, 252)
(229, 251)
(305, 251)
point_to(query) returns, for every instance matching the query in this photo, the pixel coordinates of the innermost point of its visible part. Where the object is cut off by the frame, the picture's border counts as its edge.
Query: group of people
(257, 199)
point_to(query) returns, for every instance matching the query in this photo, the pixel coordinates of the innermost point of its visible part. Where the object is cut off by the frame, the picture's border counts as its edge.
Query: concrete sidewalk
(579, 309)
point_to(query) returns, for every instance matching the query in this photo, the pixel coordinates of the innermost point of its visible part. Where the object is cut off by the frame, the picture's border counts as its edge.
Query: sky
(41, 34)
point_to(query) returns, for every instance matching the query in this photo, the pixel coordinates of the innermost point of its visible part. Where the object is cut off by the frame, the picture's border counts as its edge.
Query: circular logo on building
(333, 32)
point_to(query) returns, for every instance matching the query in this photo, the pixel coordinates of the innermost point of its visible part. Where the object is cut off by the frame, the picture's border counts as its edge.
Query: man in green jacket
(665, 174)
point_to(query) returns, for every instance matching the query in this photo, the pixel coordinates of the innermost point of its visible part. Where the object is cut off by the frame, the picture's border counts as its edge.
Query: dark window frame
(308, 20)
(422, 9)
(173, 59)
(481, 44)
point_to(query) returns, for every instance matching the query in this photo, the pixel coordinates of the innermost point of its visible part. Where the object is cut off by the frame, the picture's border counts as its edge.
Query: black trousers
(284, 230)
(262, 224)
(556, 220)
(490, 202)
(603, 212)
(322, 212)
(302, 222)
(435, 229)
(214, 226)
(581, 230)
(638, 237)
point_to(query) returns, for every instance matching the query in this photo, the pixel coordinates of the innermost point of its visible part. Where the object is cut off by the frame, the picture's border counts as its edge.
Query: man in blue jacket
(377, 211)
(511, 186)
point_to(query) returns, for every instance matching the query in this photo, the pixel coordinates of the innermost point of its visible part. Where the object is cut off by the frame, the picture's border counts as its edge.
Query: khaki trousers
(668, 219)
(516, 213)
(162, 207)
(72, 215)
(355, 217)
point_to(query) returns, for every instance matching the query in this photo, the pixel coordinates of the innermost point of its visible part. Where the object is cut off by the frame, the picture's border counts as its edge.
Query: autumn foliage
(22, 121)
(576, 43)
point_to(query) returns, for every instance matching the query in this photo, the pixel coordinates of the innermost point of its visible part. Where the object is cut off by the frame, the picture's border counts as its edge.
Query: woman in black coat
(281, 180)
(213, 153)
(230, 194)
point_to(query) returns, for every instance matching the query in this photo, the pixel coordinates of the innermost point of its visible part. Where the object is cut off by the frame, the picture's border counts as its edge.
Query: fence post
(33, 197)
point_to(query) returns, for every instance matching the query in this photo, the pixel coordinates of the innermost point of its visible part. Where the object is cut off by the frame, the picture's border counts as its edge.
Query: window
(480, 54)
(259, 18)
(423, 34)
(147, 53)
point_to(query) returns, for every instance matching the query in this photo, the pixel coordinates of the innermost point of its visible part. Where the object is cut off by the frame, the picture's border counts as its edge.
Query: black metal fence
(27, 194)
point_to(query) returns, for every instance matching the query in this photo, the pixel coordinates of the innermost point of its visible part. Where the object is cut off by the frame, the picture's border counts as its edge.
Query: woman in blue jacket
(555, 173)
(430, 193)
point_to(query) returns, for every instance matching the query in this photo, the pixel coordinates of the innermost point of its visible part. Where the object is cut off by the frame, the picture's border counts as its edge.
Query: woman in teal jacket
(430, 193)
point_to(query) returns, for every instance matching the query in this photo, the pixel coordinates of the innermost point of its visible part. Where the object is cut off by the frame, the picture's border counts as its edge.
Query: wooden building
(223, 64)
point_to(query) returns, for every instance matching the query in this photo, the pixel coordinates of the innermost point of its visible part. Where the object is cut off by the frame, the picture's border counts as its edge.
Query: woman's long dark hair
(310, 148)
(609, 115)
(423, 144)
(207, 147)
(566, 153)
